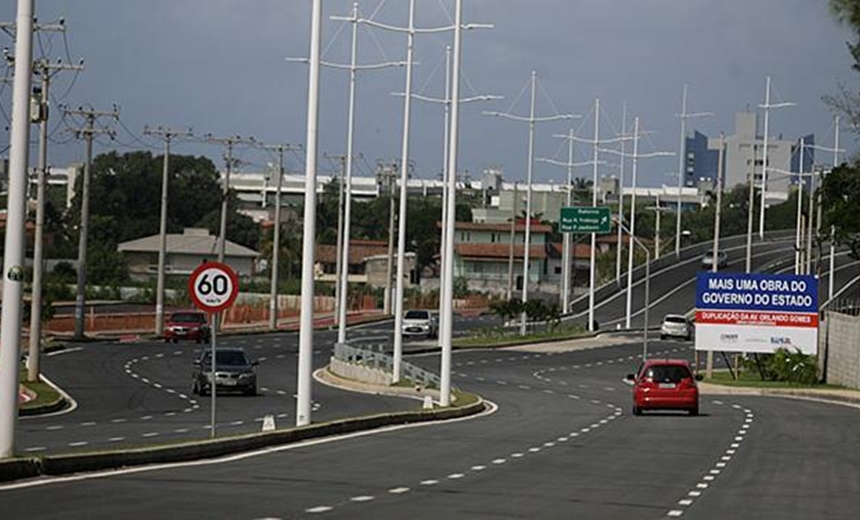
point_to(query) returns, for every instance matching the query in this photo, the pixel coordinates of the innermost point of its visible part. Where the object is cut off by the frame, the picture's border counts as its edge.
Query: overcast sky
(219, 67)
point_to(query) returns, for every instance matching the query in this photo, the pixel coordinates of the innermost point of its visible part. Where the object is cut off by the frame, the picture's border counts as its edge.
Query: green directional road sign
(586, 220)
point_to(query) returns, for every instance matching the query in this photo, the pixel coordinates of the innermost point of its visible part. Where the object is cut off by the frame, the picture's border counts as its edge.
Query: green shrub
(785, 366)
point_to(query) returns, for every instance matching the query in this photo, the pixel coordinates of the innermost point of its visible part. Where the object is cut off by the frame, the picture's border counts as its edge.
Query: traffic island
(56, 465)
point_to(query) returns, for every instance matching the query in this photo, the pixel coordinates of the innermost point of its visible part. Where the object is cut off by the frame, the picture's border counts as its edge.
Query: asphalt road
(562, 444)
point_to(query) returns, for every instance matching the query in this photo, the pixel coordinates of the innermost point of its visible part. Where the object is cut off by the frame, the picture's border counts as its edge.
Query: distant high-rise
(742, 148)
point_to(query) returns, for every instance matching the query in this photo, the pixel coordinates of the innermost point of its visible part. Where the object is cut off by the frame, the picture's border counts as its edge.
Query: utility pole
(683, 116)
(531, 120)
(276, 245)
(657, 209)
(510, 292)
(230, 143)
(14, 245)
(90, 117)
(167, 135)
(766, 106)
(386, 174)
(46, 71)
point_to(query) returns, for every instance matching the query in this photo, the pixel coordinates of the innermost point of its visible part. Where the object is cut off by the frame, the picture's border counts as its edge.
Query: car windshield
(667, 373)
(675, 319)
(227, 358)
(188, 317)
(416, 315)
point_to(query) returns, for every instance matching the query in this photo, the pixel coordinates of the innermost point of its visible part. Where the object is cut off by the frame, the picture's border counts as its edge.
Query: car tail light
(687, 382)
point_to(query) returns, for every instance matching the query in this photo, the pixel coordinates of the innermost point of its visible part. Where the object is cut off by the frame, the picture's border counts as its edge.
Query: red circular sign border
(233, 279)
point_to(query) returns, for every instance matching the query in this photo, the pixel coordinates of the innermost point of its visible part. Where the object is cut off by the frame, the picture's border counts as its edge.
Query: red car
(665, 384)
(190, 325)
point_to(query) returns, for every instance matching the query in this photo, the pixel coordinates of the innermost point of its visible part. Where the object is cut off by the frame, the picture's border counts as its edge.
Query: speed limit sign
(213, 287)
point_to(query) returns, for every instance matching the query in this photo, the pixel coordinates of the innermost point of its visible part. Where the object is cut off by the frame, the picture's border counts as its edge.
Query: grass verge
(45, 393)
(490, 338)
(753, 380)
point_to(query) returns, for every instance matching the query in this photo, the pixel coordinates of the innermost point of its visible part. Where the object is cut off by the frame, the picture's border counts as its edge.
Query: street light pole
(709, 360)
(621, 194)
(832, 228)
(566, 256)
(767, 106)
(14, 245)
(681, 158)
(797, 244)
(635, 240)
(306, 317)
(531, 120)
(448, 287)
(636, 156)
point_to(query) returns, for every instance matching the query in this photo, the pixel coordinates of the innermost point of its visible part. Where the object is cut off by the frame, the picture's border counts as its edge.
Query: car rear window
(187, 317)
(417, 315)
(667, 373)
(675, 319)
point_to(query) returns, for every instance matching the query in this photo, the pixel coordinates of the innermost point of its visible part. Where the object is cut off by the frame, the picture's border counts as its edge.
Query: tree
(840, 198)
(847, 100)
(840, 190)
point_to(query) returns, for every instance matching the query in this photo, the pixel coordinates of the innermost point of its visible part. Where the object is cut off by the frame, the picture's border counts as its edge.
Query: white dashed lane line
(713, 473)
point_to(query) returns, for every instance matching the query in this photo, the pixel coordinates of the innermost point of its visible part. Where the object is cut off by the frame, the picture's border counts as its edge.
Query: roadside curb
(830, 396)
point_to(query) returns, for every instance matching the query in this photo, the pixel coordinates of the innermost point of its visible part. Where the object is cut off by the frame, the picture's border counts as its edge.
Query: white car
(676, 326)
(708, 260)
(420, 323)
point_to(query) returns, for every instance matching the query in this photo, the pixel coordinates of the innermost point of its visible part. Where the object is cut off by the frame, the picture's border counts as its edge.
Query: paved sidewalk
(836, 395)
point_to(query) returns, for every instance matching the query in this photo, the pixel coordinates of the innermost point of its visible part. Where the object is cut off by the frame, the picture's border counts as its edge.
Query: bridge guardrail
(374, 357)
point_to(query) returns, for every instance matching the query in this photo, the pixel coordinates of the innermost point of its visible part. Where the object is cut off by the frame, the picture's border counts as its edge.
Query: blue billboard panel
(757, 292)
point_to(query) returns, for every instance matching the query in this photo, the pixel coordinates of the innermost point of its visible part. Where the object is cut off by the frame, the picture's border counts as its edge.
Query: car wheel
(637, 410)
(694, 411)
(689, 337)
(176, 340)
(251, 390)
(662, 336)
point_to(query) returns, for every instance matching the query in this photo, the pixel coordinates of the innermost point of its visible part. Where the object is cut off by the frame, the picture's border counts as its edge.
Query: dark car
(190, 325)
(665, 384)
(234, 371)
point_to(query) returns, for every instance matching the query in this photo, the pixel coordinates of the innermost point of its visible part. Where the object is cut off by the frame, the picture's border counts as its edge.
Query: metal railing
(374, 356)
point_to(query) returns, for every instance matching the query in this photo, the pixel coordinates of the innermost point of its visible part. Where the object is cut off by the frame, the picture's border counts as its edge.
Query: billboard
(754, 312)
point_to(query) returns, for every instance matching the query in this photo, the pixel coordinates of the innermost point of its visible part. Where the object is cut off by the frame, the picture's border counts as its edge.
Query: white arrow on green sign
(582, 219)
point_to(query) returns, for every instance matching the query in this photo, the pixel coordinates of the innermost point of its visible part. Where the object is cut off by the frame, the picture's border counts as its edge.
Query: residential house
(184, 252)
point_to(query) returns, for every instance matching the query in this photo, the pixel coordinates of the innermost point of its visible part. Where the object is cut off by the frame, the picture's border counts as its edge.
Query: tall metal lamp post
(531, 120)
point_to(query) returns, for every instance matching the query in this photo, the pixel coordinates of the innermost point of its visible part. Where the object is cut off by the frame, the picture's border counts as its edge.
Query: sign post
(583, 219)
(213, 287)
(756, 312)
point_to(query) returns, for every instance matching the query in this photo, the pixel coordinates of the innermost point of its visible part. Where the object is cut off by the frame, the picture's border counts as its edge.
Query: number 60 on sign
(213, 287)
